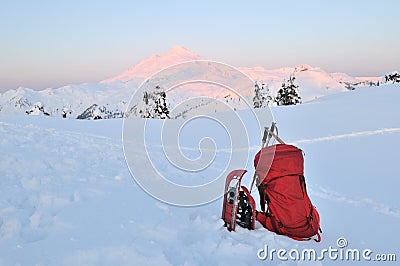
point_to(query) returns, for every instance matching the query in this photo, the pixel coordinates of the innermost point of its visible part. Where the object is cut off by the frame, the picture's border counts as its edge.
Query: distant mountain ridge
(109, 98)
(314, 82)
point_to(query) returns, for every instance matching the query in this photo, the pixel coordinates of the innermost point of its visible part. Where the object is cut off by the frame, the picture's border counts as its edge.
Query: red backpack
(281, 184)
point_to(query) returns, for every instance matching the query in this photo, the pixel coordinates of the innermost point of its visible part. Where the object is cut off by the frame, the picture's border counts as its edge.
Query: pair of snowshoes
(239, 206)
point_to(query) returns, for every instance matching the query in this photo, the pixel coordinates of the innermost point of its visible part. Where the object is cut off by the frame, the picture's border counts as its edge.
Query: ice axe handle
(265, 134)
(264, 139)
(252, 181)
(277, 138)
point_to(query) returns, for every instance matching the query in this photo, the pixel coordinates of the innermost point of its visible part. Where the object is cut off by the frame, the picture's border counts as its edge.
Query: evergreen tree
(268, 97)
(154, 104)
(146, 110)
(261, 97)
(287, 94)
(393, 77)
(258, 99)
(160, 107)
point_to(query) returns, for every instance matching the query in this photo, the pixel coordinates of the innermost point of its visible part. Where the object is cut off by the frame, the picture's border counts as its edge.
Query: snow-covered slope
(67, 197)
(112, 95)
(313, 82)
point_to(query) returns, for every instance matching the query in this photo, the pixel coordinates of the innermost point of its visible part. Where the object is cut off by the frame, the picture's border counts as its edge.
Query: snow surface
(67, 196)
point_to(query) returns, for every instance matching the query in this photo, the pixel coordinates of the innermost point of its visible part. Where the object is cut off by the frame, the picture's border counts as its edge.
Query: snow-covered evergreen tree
(268, 98)
(287, 94)
(161, 110)
(147, 108)
(393, 77)
(258, 99)
(261, 96)
(154, 104)
(65, 111)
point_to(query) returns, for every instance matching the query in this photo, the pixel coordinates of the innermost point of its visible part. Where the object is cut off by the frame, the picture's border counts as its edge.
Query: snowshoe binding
(238, 206)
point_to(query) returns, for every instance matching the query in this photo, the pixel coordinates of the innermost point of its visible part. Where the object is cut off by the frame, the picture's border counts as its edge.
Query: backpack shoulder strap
(263, 196)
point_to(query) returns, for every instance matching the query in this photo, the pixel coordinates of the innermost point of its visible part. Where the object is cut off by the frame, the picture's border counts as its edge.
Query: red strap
(318, 238)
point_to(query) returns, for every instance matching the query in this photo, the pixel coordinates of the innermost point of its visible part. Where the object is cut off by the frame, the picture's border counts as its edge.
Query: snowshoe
(246, 214)
(239, 205)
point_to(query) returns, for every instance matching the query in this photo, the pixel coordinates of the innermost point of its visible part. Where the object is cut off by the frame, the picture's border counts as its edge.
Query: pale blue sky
(53, 43)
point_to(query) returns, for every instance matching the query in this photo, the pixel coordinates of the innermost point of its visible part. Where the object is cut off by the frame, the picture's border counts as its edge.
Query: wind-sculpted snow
(372, 204)
(348, 135)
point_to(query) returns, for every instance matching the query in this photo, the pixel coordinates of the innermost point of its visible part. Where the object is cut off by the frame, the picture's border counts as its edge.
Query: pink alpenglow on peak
(314, 82)
(155, 63)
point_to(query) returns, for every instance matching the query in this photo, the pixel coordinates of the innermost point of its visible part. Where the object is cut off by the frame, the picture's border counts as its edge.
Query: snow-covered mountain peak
(180, 50)
(155, 63)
